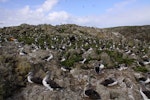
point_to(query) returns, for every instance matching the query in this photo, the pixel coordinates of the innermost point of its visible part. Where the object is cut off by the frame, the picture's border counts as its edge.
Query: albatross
(65, 68)
(83, 61)
(32, 79)
(109, 82)
(122, 67)
(146, 79)
(50, 84)
(22, 52)
(48, 58)
(90, 92)
(98, 68)
(144, 92)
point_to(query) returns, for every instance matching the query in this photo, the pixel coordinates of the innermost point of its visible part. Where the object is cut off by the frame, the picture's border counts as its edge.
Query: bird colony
(73, 64)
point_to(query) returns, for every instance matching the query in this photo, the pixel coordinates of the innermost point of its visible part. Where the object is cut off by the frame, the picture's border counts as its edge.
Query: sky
(93, 13)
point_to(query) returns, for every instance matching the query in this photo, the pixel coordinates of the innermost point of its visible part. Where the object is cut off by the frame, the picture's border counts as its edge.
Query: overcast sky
(96, 13)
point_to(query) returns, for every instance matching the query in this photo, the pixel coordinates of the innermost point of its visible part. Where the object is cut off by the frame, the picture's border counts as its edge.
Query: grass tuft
(141, 69)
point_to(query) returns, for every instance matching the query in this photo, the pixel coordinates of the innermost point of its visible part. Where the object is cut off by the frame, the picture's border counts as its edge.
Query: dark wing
(92, 94)
(53, 84)
(141, 63)
(145, 59)
(67, 68)
(37, 80)
(107, 81)
(24, 52)
(46, 57)
(147, 93)
(97, 69)
(72, 39)
(142, 79)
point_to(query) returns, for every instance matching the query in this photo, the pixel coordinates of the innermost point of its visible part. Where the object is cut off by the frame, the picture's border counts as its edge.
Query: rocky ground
(24, 48)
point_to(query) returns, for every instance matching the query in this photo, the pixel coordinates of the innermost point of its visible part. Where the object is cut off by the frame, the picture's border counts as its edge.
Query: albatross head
(48, 74)
(30, 74)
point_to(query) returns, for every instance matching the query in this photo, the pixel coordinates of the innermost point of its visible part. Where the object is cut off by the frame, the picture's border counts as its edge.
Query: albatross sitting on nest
(90, 92)
(50, 84)
(48, 58)
(144, 92)
(145, 79)
(32, 79)
(109, 82)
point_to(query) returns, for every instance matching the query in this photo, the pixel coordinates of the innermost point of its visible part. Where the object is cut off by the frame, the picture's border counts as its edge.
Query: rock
(114, 95)
(23, 67)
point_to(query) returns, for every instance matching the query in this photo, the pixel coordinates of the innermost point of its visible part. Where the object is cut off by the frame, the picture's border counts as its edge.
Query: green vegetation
(12, 75)
(68, 63)
(141, 69)
(83, 32)
(127, 61)
(26, 39)
(71, 60)
(61, 30)
(87, 47)
(22, 67)
(118, 57)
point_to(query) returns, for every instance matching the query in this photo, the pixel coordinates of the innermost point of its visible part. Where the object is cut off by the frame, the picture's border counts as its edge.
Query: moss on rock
(22, 67)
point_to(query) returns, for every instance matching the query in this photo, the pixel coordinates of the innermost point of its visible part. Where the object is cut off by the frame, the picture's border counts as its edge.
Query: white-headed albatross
(50, 84)
(32, 79)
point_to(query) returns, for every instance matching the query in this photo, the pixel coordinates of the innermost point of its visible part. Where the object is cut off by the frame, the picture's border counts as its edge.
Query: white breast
(143, 95)
(46, 85)
(29, 79)
(112, 84)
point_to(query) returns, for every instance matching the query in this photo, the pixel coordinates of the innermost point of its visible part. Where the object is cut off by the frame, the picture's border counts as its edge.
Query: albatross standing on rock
(50, 84)
(99, 68)
(31, 79)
